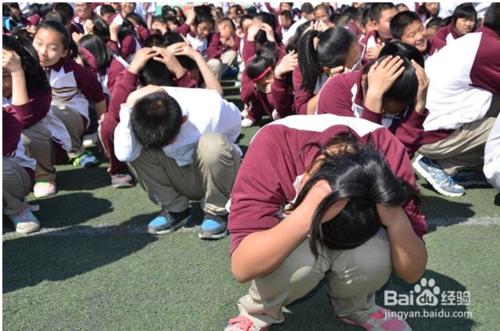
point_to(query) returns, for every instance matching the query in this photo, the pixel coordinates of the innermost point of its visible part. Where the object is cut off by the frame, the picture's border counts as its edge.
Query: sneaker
(168, 222)
(44, 188)
(242, 323)
(122, 181)
(90, 140)
(380, 319)
(439, 180)
(468, 178)
(86, 160)
(213, 227)
(25, 222)
(246, 123)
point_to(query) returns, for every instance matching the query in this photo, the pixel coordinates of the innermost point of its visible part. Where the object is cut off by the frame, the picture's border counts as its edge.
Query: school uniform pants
(219, 66)
(353, 277)
(75, 124)
(16, 186)
(106, 131)
(210, 176)
(464, 147)
(39, 145)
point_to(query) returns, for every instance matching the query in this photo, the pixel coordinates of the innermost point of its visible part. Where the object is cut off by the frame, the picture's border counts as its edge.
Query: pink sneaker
(44, 188)
(380, 320)
(241, 323)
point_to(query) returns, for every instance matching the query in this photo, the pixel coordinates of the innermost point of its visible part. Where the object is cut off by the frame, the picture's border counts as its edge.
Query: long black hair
(97, 47)
(359, 173)
(332, 49)
(36, 80)
(264, 59)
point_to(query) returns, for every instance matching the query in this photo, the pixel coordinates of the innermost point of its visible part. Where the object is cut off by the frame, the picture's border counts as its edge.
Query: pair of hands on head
(11, 62)
(320, 190)
(382, 76)
(256, 27)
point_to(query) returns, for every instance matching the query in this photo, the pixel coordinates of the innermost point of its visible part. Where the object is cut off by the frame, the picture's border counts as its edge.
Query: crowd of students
(354, 93)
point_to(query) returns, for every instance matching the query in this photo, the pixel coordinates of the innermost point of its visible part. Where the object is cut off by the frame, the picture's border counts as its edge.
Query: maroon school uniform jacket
(250, 49)
(433, 45)
(34, 110)
(447, 33)
(301, 95)
(368, 41)
(282, 151)
(343, 95)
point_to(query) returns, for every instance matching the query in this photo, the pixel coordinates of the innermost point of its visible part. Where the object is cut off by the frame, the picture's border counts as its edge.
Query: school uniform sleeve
(336, 97)
(34, 110)
(237, 43)
(399, 162)
(143, 33)
(186, 81)
(281, 98)
(302, 96)
(113, 46)
(115, 69)
(12, 129)
(410, 131)
(87, 83)
(257, 194)
(441, 33)
(127, 148)
(128, 46)
(491, 167)
(247, 92)
(125, 84)
(249, 49)
(183, 29)
(485, 72)
(215, 47)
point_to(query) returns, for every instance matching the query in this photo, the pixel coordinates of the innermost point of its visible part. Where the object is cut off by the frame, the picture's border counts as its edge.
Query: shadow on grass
(497, 200)
(443, 212)
(72, 179)
(315, 311)
(66, 253)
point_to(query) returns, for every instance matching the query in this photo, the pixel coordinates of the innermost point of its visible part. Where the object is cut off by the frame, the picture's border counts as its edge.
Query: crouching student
(315, 198)
(391, 92)
(73, 87)
(491, 167)
(18, 175)
(463, 102)
(266, 87)
(223, 48)
(180, 151)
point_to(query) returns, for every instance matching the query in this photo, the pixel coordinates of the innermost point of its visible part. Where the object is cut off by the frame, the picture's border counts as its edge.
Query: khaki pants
(73, 122)
(353, 278)
(219, 66)
(210, 176)
(38, 143)
(16, 186)
(464, 148)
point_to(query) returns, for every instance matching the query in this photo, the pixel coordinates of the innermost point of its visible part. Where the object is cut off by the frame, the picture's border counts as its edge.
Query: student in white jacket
(179, 142)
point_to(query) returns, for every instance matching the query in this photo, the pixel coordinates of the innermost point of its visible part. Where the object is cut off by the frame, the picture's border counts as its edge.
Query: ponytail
(308, 60)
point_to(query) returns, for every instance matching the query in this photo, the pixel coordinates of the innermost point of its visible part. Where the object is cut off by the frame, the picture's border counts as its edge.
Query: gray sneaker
(439, 180)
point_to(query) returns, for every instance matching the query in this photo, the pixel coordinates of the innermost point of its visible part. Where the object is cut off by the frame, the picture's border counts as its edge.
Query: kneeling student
(179, 142)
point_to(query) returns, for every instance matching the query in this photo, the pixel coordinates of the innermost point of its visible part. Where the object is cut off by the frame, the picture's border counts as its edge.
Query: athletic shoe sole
(213, 236)
(171, 229)
(421, 171)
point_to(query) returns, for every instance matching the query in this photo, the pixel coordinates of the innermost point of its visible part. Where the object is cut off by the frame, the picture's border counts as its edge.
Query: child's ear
(184, 119)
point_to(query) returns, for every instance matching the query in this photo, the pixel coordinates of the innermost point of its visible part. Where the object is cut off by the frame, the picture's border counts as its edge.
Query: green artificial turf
(94, 267)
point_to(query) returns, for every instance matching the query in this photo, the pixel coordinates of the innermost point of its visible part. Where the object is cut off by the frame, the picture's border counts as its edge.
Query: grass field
(94, 267)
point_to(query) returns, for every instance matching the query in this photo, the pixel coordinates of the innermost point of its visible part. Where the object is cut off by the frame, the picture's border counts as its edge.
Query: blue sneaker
(469, 178)
(213, 227)
(439, 180)
(86, 160)
(169, 222)
(25, 222)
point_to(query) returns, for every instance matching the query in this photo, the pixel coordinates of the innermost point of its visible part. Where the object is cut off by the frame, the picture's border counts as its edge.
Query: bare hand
(383, 74)
(76, 37)
(269, 31)
(373, 52)
(11, 62)
(287, 64)
(423, 84)
(142, 56)
(88, 26)
(140, 93)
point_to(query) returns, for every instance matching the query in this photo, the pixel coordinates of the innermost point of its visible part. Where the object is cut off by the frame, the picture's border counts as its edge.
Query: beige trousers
(353, 278)
(218, 66)
(209, 177)
(38, 143)
(73, 122)
(16, 186)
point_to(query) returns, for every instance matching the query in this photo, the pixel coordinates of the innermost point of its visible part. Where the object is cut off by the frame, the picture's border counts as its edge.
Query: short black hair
(464, 10)
(156, 120)
(307, 8)
(376, 10)
(492, 17)
(107, 9)
(401, 21)
(288, 14)
(156, 73)
(435, 22)
(66, 11)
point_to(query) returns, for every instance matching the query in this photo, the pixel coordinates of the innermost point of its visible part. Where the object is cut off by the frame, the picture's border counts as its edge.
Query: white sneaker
(90, 140)
(25, 222)
(246, 123)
